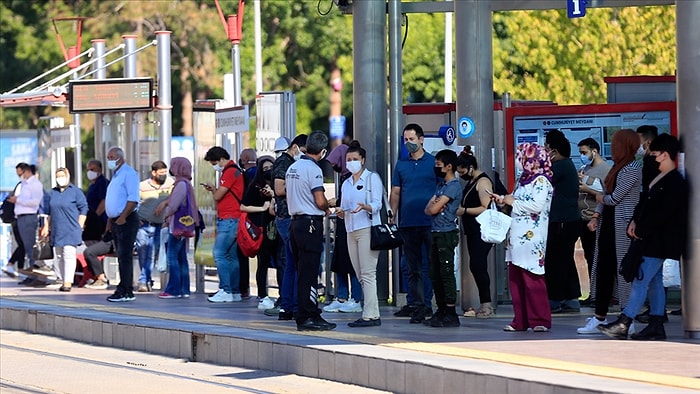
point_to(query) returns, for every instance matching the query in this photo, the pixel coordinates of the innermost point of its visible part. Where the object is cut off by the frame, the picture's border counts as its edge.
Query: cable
(405, 33)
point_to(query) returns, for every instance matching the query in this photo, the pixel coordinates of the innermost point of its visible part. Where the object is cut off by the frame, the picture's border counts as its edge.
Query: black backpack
(7, 212)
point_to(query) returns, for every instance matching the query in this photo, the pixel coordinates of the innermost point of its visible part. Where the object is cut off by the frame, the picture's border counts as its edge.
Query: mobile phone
(488, 192)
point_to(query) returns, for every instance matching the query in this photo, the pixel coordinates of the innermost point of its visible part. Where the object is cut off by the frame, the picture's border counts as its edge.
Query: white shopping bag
(494, 225)
(672, 273)
(162, 262)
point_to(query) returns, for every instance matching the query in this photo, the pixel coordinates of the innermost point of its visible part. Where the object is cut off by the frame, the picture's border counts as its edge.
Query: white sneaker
(236, 297)
(591, 326)
(333, 306)
(350, 306)
(9, 270)
(266, 303)
(222, 296)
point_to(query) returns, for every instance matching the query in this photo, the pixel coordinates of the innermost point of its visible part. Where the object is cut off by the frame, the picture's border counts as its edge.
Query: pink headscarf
(181, 169)
(535, 161)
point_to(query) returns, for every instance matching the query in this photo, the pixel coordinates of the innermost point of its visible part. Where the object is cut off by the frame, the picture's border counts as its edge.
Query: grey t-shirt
(594, 177)
(304, 177)
(447, 219)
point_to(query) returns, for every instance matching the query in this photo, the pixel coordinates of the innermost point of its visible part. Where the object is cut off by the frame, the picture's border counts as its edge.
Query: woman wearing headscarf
(527, 240)
(612, 215)
(67, 210)
(178, 266)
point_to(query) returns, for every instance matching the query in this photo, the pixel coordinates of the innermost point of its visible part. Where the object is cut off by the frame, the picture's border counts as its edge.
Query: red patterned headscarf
(535, 161)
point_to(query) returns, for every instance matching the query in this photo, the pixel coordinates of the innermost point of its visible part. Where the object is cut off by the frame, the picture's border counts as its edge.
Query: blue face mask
(586, 160)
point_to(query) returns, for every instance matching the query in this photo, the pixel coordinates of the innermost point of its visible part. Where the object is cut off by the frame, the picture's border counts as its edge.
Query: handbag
(629, 267)
(183, 222)
(494, 224)
(42, 250)
(249, 236)
(671, 273)
(384, 236)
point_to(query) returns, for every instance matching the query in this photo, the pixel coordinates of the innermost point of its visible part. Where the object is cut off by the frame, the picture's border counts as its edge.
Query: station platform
(477, 357)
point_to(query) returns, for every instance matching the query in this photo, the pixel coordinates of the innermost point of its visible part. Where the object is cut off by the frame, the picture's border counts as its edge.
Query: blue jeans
(147, 248)
(178, 266)
(341, 281)
(288, 292)
(652, 280)
(416, 250)
(225, 255)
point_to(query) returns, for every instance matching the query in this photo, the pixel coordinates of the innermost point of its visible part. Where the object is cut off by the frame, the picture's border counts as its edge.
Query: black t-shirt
(565, 198)
(279, 171)
(254, 197)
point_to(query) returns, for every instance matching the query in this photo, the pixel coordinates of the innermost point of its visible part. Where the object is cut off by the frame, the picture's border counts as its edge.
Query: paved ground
(672, 364)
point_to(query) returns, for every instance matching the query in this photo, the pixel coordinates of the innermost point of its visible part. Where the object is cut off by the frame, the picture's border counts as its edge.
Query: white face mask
(298, 155)
(92, 175)
(518, 165)
(112, 164)
(217, 167)
(353, 166)
(62, 181)
(641, 150)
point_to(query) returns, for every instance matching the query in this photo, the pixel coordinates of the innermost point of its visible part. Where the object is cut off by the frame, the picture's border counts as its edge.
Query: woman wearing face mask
(362, 200)
(612, 214)
(67, 210)
(527, 239)
(476, 199)
(257, 202)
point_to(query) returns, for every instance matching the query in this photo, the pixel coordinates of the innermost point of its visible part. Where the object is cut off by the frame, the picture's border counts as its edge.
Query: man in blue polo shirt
(122, 204)
(412, 186)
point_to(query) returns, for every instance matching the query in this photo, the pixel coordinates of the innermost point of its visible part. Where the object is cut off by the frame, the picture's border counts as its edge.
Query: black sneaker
(405, 311)
(284, 315)
(120, 296)
(419, 315)
(447, 320)
(315, 324)
(435, 317)
(365, 323)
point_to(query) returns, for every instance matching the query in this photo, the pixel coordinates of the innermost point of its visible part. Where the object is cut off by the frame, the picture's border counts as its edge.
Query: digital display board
(111, 95)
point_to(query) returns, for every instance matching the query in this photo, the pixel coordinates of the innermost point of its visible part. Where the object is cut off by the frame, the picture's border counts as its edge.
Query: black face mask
(653, 163)
(438, 172)
(467, 177)
(267, 175)
(160, 179)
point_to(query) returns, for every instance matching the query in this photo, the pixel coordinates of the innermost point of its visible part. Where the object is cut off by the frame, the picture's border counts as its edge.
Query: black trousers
(478, 265)
(124, 238)
(559, 265)
(588, 244)
(19, 253)
(606, 269)
(306, 236)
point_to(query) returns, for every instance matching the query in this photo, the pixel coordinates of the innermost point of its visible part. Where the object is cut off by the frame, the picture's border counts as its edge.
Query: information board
(111, 95)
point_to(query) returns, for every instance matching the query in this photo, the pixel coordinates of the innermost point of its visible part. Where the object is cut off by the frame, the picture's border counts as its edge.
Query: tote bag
(183, 221)
(249, 236)
(494, 225)
(384, 236)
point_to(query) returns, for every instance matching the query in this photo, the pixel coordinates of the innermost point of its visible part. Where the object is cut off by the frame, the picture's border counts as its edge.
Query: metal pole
(100, 73)
(165, 107)
(78, 153)
(688, 93)
(237, 100)
(258, 48)
(474, 65)
(130, 143)
(369, 98)
(395, 119)
(448, 57)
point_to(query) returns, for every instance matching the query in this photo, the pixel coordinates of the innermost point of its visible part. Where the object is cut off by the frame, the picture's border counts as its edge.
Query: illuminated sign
(111, 95)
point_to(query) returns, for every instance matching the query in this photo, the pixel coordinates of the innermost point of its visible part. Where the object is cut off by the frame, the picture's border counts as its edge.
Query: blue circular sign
(466, 127)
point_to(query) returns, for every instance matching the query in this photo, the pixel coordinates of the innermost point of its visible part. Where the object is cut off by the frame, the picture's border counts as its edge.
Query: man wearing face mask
(27, 198)
(650, 169)
(591, 178)
(122, 205)
(287, 302)
(563, 287)
(96, 221)
(152, 192)
(228, 195)
(307, 206)
(412, 186)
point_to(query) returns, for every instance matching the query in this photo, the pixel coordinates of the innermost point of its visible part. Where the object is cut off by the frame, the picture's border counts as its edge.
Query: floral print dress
(527, 239)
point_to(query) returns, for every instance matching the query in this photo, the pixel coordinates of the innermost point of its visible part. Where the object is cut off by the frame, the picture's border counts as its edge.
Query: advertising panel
(598, 121)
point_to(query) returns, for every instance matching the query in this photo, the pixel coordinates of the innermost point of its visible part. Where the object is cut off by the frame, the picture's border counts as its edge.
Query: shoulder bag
(384, 236)
(183, 221)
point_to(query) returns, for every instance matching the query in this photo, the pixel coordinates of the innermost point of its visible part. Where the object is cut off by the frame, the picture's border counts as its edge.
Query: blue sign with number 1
(576, 8)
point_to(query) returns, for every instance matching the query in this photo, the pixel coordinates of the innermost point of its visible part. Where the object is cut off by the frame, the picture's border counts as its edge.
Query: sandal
(469, 312)
(485, 311)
